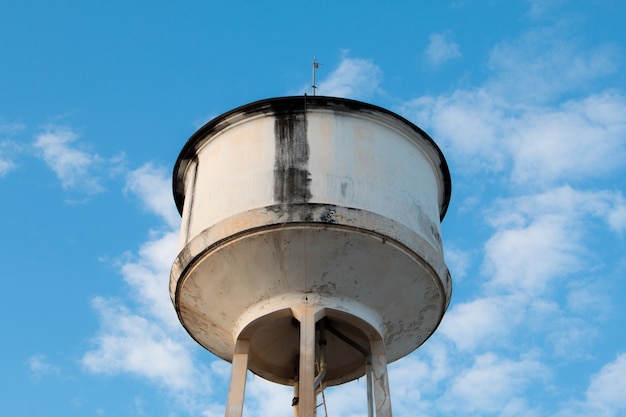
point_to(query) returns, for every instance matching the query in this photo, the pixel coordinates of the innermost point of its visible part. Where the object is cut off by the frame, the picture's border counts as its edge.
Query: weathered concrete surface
(314, 202)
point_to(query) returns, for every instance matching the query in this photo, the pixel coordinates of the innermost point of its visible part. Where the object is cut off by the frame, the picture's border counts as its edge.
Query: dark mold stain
(328, 288)
(328, 215)
(307, 212)
(435, 233)
(291, 176)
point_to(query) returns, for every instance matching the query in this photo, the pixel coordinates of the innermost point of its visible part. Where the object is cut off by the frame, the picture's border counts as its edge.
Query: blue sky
(526, 98)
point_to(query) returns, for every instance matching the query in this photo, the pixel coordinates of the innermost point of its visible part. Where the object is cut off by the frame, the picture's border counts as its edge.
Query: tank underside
(366, 282)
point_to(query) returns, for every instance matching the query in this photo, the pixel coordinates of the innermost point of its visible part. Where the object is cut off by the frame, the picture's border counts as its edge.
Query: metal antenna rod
(315, 66)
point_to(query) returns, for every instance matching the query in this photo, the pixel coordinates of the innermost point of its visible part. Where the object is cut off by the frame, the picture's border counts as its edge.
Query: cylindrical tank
(310, 201)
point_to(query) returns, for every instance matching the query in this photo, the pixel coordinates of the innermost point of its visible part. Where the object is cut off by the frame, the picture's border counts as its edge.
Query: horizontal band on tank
(301, 215)
(299, 105)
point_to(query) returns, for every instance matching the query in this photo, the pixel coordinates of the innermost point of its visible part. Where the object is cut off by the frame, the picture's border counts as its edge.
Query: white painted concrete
(318, 204)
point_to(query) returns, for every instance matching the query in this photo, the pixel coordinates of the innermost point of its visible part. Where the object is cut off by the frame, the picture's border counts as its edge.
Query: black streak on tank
(291, 175)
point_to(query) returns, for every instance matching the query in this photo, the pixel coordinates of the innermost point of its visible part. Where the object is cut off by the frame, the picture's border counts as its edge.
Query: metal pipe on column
(380, 380)
(370, 396)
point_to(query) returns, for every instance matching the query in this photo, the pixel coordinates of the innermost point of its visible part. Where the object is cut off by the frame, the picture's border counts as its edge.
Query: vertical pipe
(306, 400)
(236, 390)
(324, 402)
(296, 398)
(370, 397)
(382, 396)
(323, 365)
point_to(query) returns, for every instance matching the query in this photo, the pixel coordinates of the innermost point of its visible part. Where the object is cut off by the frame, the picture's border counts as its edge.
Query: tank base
(320, 334)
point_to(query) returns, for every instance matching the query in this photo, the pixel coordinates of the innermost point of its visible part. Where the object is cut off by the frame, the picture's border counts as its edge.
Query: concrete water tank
(310, 244)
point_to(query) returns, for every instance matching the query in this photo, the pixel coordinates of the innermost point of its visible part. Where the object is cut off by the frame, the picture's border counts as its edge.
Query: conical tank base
(266, 274)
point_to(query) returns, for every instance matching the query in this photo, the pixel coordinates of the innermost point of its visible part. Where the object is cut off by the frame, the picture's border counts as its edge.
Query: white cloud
(214, 410)
(458, 261)
(538, 240)
(606, 390)
(540, 8)
(441, 49)
(39, 366)
(10, 128)
(580, 139)
(73, 166)
(6, 162)
(571, 337)
(264, 398)
(617, 215)
(515, 117)
(130, 343)
(587, 296)
(417, 381)
(479, 132)
(148, 276)
(8, 148)
(469, 126)
(153, 186)
(529, 257)
(142, 337)
(354, 78)
(484, 321)
(148, 272)
(604, 396)
(221, 368)
(539, 237)
(543, 64)
(565, 201)
(493, 385)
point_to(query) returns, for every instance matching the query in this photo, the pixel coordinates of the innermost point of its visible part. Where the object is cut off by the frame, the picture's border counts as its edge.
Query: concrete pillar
(307, 362)
(236, 391)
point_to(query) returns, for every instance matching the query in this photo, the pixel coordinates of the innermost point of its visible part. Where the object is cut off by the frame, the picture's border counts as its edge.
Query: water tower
(310, 246)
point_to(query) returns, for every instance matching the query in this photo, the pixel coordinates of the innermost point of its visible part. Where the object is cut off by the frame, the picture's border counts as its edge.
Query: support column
(237, 388)
(307, 362)
(382, 397)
